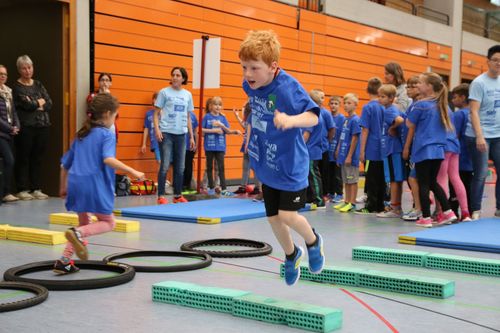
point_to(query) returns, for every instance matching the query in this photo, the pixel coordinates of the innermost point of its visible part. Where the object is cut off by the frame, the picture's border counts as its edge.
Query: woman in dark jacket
(33, 105)
(9, 126)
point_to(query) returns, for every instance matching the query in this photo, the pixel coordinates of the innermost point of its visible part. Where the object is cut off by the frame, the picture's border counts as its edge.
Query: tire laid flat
(41, 294)
(258, 248)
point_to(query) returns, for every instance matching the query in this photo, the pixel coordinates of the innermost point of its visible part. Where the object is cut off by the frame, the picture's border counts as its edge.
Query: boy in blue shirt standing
(347, 153)
(335, 185)
(278, 154)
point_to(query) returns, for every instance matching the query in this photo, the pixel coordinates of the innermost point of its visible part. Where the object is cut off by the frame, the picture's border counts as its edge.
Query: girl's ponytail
(441, 92)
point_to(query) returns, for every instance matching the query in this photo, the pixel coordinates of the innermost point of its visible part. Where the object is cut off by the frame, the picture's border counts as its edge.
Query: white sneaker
(390, 214)
(412, 215)
(362, 199)
(24, 195)
(39, 195)
(476, 215)
(10, 198)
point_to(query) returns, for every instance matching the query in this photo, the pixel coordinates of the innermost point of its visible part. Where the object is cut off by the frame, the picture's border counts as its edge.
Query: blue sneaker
(316, 256)
(338, 198)
(292, 268)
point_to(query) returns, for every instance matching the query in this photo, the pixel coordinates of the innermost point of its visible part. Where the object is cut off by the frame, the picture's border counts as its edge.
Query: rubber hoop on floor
(41, 294)
(205, 260)
(126, 273)
(259, 248)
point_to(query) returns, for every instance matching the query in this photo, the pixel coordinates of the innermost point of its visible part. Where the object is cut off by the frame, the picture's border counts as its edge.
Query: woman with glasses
(9, 127)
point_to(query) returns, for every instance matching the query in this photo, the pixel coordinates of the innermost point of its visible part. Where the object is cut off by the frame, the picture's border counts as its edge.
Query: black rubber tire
(41, 294)
(206, 260)
(259, 248)
(127, 273)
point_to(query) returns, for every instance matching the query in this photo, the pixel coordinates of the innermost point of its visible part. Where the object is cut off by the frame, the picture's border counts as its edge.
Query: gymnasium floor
(129, 308)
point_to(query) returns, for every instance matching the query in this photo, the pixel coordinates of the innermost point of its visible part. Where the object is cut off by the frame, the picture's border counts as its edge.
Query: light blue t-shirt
(175, 106)
(430, 134)
(279, 158)
(486, 91)
(91, 183)
(338, 121)
(371, 119)
(213, 141)
(349, 129)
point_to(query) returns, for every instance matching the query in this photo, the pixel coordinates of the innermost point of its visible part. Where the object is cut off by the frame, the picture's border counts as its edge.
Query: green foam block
(389, 256)
(294, 314)
(490, 267)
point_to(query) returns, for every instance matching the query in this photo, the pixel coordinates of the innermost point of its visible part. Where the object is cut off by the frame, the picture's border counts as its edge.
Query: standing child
(460, 99)
(88, 179)
(313, 138)
(416, 212)
(392, 148)
(371, 123)
(428, 123)
(245, 176)
(335, 184)
(347, 154)
(278, 154)
(187, 188)
(149, 130)
(215, 127)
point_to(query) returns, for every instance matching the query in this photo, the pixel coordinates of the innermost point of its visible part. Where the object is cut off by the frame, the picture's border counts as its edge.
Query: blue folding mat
(201, 211)
(481, 235)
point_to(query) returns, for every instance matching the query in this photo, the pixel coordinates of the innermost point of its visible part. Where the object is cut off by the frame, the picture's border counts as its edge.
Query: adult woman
(105, 81)
(9, 126)
(174, 103)
(393, 74)
(33, 105)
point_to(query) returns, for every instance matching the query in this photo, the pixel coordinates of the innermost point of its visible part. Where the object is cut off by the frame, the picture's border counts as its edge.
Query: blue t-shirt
(315, 143)
(326, 120)
(212, 141)
(460, 119)
(149, 124)
(486, 91)
(452, 144)
(338, 121)
(349, 129)
(91, 183)
(371, 119)
(175, 105)
(279, 158)
(391, 144)
(430, 134)
(194, 126)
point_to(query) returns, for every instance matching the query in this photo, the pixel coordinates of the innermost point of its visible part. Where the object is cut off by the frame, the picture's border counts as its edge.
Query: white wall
(375, 15)
(82, 60)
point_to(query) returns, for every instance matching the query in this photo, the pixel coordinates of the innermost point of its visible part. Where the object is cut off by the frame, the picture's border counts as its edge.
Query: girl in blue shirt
(215, 127)
(88, 179)
(427, 126)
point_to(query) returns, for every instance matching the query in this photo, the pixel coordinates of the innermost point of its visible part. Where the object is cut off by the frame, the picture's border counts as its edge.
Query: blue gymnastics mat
(481, 235)
(201, 211)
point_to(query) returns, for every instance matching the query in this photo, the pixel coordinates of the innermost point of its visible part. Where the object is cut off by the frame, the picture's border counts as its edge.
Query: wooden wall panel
(139, 41)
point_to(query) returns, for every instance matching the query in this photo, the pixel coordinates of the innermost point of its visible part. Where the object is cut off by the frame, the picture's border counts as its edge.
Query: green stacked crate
(490, 267)
(334, 274)
(389, 256)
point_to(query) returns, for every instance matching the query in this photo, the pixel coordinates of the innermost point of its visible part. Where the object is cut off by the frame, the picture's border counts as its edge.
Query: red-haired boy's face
(257, 73)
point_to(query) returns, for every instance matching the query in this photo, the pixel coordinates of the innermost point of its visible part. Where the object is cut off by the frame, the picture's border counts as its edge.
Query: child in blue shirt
(187, 188)
(371, 124)
(428, 123)
(215, 127)
(460, 118)
(149, 130)
(278, 154)
(313, 136)
(335, 185)
(392, 147)
(88, 179)
(347, 154)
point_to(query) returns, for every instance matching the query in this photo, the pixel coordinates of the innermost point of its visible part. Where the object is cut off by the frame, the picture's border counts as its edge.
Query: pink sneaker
(447, 217)
(425, 222)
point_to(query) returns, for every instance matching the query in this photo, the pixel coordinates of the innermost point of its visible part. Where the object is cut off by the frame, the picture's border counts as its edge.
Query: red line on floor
(277, 259)
(372, 310)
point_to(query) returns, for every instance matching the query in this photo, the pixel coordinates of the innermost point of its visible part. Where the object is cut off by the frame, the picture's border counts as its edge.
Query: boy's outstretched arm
(284, 121)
